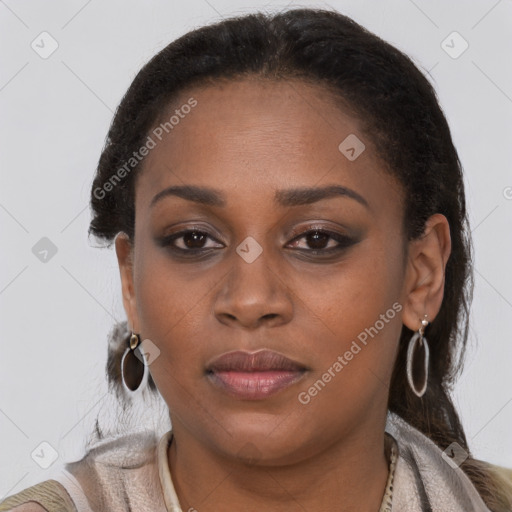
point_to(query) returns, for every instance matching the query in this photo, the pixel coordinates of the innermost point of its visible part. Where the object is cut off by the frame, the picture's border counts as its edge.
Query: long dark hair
(400, 115)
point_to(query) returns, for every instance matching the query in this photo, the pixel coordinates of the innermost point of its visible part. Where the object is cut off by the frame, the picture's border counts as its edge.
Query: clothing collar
(428, 479)
(425, 479)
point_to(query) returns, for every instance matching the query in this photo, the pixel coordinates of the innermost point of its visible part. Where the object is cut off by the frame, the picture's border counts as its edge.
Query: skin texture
(248, 139)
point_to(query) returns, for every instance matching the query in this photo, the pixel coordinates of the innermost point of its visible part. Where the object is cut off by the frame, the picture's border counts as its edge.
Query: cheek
(170, 309)
(358, 312)
(350, 381)
(351, 296)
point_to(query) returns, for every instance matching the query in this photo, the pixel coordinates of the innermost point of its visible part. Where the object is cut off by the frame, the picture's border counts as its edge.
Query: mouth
(253, 376)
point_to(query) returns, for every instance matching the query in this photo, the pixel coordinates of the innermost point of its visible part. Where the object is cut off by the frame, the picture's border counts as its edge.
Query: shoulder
(30, 506)
(124, 451)
(118, 473)
(503, 476)
(110, 471)
(506, 473)
(496, 480)
(44, 496)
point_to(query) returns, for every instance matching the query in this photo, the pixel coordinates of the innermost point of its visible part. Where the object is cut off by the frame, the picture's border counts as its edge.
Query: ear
(124, 252)
(425, 274)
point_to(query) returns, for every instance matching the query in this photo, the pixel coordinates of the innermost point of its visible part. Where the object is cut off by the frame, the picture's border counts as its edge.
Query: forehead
(252, 137)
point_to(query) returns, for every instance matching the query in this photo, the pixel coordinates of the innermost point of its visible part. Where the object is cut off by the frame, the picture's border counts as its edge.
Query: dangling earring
(134, 372)
(418, 336)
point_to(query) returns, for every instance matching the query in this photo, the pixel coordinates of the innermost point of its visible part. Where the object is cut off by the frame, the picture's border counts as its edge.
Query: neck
(349, 476)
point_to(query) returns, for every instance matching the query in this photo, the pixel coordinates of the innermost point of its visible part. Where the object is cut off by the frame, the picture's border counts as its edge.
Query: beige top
(131, 473)
(64, 496)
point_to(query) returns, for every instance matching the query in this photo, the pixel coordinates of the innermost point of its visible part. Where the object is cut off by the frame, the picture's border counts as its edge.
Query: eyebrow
(290, 197)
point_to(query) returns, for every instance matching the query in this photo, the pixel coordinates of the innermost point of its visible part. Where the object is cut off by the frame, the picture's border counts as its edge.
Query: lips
(253, 376)
(263, 360)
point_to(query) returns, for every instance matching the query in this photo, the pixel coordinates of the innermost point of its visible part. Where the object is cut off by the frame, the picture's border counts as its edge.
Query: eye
(189, 241)
(193, 241)
(322, 241)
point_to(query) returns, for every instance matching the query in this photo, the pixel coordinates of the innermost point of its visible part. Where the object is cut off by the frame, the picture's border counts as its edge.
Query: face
(288, 244)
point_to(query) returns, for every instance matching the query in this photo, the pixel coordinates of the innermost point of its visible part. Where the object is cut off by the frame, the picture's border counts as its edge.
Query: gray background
(55, 112)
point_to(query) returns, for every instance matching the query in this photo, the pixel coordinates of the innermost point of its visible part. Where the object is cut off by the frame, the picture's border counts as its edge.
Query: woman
(288, 214)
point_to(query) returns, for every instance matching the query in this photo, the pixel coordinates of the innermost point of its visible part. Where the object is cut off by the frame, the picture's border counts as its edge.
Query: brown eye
(321, 241)
(190, 240)
(317, 240)
(194, 239)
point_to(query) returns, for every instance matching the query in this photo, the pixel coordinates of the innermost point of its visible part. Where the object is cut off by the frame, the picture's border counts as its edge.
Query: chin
(259, 442)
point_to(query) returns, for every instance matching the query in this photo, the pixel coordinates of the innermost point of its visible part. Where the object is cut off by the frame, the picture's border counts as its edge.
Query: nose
(253, 294)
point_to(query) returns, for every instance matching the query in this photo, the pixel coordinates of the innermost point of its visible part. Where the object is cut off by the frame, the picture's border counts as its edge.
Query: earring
(418, 338)
(134, 372)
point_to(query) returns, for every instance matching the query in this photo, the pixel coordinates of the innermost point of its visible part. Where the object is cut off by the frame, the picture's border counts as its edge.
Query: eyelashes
(198, 242)
(320, 237)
